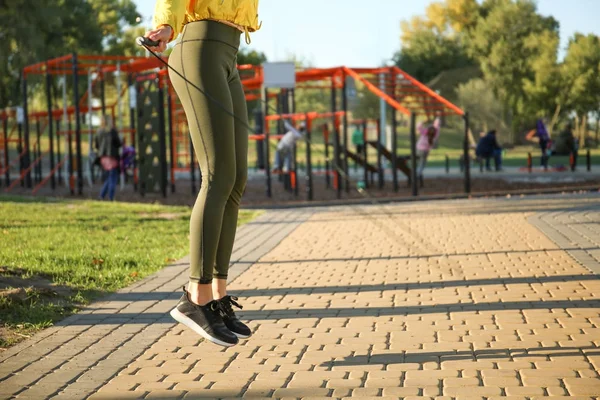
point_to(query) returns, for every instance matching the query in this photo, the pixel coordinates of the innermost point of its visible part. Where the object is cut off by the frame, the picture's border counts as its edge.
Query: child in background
(285, 147)
(428, 136)
(358, 141)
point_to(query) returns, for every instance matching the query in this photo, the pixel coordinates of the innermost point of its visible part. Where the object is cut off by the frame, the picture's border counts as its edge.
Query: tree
(543, 88)
(429, 54)
(449, 18)
(368, 104)
(32, 31)
(504, 42)
(485, 110)
(113, 18)
(61, 26)
(581, 71)
(246, 56)
(436, 42)
(126, 45)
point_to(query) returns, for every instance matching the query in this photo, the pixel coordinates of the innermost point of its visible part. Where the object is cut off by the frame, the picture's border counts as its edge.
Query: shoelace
(227, 302)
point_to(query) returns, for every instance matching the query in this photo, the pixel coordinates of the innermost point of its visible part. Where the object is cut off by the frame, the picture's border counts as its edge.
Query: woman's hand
(161, 35)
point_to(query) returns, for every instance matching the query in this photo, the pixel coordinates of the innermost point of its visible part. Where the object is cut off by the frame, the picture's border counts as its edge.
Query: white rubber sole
(179, 317)
(241, 336)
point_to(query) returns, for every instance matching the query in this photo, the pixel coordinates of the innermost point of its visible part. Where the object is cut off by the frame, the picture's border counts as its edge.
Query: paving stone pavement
(577, 230)
(449, 300)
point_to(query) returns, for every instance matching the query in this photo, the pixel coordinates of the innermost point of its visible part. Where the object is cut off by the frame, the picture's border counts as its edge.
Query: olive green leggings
(207, 56)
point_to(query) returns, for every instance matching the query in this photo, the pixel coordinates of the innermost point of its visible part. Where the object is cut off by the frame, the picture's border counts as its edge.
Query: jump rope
(147, 43)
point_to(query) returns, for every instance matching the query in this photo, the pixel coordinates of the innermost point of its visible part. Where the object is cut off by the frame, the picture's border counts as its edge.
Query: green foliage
(126, 46)
(544, 88)
(368, 104)
(33, 31)
(516, 50)
(581, 70)
(448, 18)
(113, 16)
(246, 56)
(317, 100)
(485, 110)
(436, 43)
(429, 54)
(448, 81)
(504, 42)
(60, 27)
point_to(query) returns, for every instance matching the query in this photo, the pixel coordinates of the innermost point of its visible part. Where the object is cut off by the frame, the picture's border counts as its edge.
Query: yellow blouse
(177, 13)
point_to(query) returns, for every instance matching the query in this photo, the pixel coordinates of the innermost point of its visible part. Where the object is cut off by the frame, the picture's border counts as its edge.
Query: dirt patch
(165, 216)
(15, 295)
(13, 285)
(10, 336)
(29, 303)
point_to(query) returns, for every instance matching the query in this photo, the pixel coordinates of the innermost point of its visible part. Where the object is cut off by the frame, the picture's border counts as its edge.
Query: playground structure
(157, 128)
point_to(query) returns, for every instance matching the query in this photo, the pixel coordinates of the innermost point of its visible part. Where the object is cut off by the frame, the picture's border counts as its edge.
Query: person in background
(566, 144)
(428, 136)
(127, 160)
(358, 140)
(488, 148)
(285, 147)
(543, 139)
(109, 144)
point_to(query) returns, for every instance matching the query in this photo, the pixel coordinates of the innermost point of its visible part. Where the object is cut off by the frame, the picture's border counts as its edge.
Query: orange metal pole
(46, 179)
(378, 92)
(33, 67)
(25, 172)
(429, 91)
(110, 58)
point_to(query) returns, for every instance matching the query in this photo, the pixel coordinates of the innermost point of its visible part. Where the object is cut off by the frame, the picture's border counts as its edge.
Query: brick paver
(445, 300)
(577, 230)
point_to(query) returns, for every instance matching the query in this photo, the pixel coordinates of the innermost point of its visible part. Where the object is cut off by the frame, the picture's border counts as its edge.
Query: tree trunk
(597, 126)
(583, 131)
(554, 120)
(580, 129)
(472, 141)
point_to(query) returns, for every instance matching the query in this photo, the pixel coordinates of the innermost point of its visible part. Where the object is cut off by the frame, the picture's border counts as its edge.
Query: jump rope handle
(146, 42)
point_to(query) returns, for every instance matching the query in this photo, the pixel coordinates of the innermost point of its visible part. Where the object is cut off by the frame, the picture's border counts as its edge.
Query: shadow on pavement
(424, 256)
(143, 296)
(153, 317)
(418, 356)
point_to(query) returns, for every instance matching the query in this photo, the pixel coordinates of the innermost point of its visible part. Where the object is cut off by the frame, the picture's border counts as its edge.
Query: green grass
(85, 248)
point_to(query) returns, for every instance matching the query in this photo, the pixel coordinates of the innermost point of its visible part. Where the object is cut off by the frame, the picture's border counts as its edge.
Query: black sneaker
(231, 320)
(207, 321)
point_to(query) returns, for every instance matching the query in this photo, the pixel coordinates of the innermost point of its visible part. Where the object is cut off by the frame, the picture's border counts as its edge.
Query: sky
(366, 33)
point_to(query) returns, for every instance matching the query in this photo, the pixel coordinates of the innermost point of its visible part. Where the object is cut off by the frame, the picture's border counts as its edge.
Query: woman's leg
(212, 132)
(230, 214)
(205, 56)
